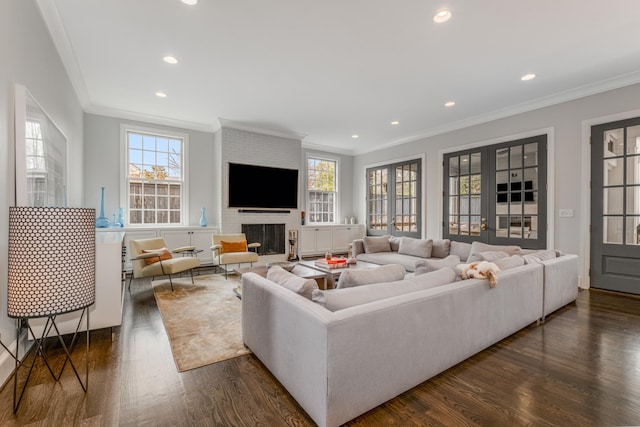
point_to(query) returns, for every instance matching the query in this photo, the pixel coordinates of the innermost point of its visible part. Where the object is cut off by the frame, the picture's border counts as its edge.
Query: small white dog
(479, 270)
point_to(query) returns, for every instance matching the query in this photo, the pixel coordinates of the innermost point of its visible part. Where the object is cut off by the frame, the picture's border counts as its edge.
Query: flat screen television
(262, 187)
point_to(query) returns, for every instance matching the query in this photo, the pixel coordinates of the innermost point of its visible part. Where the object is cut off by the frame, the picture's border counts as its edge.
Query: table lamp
(51, 272)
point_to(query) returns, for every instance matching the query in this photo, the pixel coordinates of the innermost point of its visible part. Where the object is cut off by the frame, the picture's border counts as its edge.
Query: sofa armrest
(357, 247)
(288, 333)
(560, 282)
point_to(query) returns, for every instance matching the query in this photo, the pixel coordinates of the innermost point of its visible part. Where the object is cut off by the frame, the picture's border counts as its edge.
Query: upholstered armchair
(233, 249)
(150, 258)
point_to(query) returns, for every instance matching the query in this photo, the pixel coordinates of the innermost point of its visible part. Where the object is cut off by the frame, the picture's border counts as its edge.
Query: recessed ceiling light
(395, 123)
(161, 94)
(354, 136)
(529, 76)
(170, 60)
(190, 2)
(442, 15)
(450, 103)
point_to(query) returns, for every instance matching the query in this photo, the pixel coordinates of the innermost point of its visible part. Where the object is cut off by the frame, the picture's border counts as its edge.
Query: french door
(615, 206)
(497, 194)
(394, 199)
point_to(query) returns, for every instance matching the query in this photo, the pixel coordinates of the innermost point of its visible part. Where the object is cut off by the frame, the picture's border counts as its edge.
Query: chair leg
(171, 282)
(191, 271)
(130, 279)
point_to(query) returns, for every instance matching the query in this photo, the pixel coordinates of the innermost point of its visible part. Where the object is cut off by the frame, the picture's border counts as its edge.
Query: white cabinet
(316, 240)
(199, 237)
(343, 235)
(110, 286)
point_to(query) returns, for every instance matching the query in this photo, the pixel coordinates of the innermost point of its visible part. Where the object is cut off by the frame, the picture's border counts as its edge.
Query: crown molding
(546, 101)
(152, 119)
(51, 17)
(233, 124)
(326, 148)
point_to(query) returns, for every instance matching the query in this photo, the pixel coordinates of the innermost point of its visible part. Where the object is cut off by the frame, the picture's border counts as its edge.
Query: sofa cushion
(429, 265)
(394, 242)
(462, 249)
(491, 256)
(539, 256)
(338, 299)
(383, 258)
(292, 282)
(477, 247)
(509, 262)
(416, 247)
(441, 248)
(374, 244)
(358, 277)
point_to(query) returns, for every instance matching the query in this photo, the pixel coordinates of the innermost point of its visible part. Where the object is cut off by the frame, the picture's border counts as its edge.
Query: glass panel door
(394, 199)
(615, 206)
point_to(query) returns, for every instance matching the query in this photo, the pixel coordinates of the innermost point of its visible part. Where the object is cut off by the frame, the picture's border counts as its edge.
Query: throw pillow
(510, 262)
(462, 249)
(490, 256)
(477, 247)
(428, 265)
(239, 246)
(165, 254)
(416, 247)
(290, 281)
(358, 277)
(338, 299)
(376, 244)
(539, 256)
(394, 242)
(440, 248)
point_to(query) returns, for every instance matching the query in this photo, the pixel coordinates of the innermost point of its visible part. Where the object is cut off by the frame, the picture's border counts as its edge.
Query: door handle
(483, 227)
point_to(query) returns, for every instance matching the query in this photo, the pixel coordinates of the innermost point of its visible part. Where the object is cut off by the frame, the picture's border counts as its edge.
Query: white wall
(103, 169)
(564, 121)
(29, 58)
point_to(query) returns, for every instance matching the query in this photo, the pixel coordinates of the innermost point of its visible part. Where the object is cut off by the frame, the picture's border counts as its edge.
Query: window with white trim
(322, 190)
(36, 165)
(155, 178)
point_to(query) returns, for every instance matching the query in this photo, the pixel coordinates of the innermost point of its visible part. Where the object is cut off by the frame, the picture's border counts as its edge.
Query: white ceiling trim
(60, 39)
(555, 99)
(232, 124)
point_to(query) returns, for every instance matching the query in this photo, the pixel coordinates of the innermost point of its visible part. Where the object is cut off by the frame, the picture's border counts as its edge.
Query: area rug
(202, 320)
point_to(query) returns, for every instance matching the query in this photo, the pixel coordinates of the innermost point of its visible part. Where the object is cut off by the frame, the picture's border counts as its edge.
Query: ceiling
(327, 70)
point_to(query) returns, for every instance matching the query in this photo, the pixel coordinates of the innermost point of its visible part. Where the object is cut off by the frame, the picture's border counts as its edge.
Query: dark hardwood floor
(581, 367)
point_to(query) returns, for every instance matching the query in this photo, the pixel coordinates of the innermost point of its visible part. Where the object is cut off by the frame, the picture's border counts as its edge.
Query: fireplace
(270, 236)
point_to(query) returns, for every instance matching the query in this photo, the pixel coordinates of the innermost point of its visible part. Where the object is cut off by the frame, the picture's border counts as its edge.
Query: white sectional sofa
(340, 364)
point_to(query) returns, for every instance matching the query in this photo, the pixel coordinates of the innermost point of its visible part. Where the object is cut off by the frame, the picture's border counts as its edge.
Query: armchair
(232, 249)
(150, 258)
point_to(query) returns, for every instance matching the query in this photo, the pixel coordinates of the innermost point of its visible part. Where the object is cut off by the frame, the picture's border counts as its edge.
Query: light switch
(566, 213)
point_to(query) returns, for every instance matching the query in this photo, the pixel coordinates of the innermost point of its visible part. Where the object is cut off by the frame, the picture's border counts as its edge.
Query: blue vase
(203, 218)
(102, 221)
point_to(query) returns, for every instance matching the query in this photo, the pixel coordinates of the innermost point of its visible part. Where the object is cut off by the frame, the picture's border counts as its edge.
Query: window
(155, 177)
(322, 190)
(36, 165)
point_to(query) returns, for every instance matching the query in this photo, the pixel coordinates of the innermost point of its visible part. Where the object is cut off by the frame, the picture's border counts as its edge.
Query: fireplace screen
(270, 236)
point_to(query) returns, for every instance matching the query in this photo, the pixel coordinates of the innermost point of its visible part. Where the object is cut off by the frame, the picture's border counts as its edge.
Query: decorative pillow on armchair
(239, 246)
(358, 277)
(165, 254)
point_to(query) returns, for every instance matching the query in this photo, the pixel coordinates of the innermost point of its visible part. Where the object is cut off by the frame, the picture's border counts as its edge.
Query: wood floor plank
(580, 367)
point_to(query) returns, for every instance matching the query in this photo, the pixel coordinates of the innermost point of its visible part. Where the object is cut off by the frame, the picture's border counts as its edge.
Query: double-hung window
(155, 177)
(36, 165)
(322, 190)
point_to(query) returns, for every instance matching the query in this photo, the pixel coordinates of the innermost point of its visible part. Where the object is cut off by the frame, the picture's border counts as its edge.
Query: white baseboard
(7, 362)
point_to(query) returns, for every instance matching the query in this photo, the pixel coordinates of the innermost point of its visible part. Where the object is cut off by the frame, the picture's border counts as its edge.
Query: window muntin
(155, 178)
(322, 194)
(36, 165)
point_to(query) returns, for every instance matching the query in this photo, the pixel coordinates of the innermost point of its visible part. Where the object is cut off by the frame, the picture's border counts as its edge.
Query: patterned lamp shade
(51, 261)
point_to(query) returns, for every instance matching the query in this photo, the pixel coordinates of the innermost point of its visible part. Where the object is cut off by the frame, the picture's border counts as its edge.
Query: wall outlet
(565, 213)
